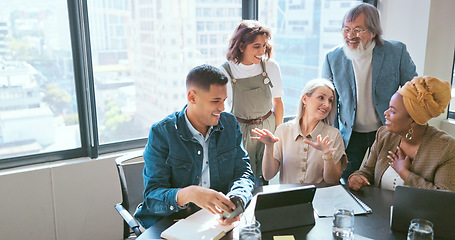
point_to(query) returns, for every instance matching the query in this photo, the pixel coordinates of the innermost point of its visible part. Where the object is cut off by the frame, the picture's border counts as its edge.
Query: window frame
(451, 114)
(81, 70)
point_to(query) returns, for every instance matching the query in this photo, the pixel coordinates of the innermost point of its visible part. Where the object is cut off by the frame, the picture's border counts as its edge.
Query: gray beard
(360, 52)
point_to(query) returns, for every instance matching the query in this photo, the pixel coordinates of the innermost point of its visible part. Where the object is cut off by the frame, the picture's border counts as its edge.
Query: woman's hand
(322, 144)
(270, 165)
(400, 162)
(332, 170)
(356, 182)
(264, 136)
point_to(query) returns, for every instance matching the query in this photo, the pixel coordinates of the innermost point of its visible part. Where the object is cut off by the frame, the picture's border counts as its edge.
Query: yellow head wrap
(425, 98)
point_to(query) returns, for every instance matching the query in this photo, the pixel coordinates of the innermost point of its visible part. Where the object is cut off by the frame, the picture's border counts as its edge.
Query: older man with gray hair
(366, 71)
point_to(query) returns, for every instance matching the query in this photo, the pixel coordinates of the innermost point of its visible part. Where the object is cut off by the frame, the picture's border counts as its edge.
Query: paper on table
(200, 225)
(285, 237)
(326, 199)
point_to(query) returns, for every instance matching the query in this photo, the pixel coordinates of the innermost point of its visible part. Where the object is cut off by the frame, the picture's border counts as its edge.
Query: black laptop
(434, 205)
(285, 208)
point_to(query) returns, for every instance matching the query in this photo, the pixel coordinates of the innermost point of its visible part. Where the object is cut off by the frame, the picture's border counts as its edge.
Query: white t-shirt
(245, 71)
(366, 118)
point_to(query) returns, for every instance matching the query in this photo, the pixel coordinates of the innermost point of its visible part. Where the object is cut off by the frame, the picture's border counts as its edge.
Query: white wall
(401, 22)
(427, 28)
(66, 200)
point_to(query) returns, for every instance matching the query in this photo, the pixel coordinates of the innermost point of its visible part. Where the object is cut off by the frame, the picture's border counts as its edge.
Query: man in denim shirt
(196, 155)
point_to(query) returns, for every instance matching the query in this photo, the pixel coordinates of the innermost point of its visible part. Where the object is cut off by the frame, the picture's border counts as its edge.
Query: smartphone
(238, 210)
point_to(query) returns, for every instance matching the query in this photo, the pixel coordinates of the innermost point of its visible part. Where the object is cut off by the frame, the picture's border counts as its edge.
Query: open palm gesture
(264, 136)
(323, 145)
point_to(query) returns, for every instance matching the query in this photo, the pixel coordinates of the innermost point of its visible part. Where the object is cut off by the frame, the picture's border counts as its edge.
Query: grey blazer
(392, 67)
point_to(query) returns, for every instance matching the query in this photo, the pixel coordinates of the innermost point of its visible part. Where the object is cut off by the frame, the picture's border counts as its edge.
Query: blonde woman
(306, 149)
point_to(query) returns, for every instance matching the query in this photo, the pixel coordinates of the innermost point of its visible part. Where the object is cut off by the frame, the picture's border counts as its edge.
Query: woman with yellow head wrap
(425, 98)
(408, 151)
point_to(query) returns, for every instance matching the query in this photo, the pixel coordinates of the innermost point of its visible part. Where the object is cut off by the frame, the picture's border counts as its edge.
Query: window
(38, 107)
(302, 32)
(80, 78)
(132, 94)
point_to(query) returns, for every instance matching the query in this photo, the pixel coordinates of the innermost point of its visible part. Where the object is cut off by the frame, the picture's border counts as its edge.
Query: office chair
(130, 169)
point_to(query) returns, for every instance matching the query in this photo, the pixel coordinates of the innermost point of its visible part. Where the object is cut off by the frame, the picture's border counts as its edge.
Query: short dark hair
(246, 32)
(205, 75)
(372, 19)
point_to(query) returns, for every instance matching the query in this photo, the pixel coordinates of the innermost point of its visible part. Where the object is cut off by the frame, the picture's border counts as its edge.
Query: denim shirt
(173, 160)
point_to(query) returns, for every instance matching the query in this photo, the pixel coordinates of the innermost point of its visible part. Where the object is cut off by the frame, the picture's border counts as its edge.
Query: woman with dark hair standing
(254, 87)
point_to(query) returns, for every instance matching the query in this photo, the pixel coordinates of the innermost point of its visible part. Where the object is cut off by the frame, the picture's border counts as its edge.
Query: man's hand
(356, 182)
(213, 201)
(228, 221)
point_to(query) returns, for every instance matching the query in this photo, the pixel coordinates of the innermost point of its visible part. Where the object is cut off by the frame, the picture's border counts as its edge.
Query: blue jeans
(358, 146)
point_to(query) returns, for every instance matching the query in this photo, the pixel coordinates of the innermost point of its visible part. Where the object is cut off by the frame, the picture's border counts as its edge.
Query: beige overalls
(252, 105)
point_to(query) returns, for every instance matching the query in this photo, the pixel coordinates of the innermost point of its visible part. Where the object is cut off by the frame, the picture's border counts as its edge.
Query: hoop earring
(409, 134)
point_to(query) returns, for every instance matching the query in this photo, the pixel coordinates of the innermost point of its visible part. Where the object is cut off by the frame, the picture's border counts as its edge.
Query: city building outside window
(38, 108)
(141, 58)
(141, 52)
(302, 33)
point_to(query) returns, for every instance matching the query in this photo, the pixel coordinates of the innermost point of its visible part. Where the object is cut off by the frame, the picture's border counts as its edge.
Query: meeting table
(374, 225)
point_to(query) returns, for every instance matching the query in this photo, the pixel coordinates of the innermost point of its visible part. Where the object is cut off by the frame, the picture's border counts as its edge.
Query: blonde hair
(308, 90)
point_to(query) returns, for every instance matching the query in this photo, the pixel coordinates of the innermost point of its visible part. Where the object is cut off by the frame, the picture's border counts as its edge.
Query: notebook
(199, 225)
(285, 208)
(327, 198)
(434, 205)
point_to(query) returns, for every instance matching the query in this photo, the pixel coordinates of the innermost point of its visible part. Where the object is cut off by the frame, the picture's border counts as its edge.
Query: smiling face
(352, 41)
(205, 107)
(397, 119)
(319, 103)
(253, 52)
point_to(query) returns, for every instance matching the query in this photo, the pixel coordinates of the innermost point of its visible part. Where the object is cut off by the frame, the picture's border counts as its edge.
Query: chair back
(130, 168)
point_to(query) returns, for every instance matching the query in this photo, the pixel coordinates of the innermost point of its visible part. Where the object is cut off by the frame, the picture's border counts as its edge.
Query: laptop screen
(285, 208)
(285, 197)
(434, 205)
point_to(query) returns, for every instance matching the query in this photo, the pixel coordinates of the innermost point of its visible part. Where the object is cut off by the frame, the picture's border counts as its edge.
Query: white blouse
(391, 179)
(300, 162)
